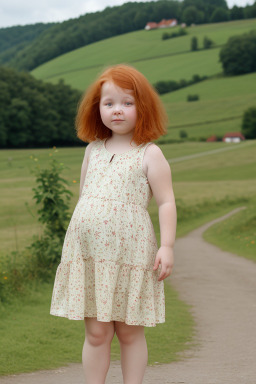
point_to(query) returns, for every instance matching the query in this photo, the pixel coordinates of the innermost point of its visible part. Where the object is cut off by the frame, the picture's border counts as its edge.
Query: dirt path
(221, 287)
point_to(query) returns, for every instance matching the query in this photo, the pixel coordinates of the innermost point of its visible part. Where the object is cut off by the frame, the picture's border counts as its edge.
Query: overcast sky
(21, 12)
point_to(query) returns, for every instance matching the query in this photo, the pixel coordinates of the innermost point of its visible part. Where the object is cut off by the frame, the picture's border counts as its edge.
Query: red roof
(166, 22)
(152, 25)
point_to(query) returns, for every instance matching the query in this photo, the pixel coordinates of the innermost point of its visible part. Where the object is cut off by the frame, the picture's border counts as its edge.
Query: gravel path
(221, 287)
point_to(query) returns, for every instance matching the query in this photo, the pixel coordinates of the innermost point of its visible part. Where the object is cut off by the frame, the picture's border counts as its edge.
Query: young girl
(111, 271)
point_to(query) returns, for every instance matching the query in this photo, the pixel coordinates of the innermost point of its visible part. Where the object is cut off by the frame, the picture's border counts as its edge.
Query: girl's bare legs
(96, 350)
(134, 352)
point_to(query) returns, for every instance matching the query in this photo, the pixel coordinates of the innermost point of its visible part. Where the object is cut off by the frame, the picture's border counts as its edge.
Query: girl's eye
(109, 104)
(128, 103)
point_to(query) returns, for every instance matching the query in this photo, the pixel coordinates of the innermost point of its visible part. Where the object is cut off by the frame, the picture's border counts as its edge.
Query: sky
(22, 12)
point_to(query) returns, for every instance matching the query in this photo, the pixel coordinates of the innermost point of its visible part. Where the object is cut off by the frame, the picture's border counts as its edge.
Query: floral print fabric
(106, 267)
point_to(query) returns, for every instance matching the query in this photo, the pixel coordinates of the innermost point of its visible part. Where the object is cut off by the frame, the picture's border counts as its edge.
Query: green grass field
(147, 51)
(223, 100)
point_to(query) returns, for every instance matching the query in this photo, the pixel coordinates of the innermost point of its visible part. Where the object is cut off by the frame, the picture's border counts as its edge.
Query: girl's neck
(121, 141)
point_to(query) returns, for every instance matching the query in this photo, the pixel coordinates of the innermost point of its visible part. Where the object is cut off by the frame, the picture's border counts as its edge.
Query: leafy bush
(172, 85)
(194, 44)
(183, 134)
(37, 261)
(249, 123)
(192, 97)
(238, 55)
(180, 32)
(207, 43)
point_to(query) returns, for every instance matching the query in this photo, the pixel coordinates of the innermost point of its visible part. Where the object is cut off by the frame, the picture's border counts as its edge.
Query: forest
(34, 113)
(25, 48)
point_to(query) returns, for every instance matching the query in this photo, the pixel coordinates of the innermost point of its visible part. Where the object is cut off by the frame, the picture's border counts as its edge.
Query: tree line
(27, 52)
(34, 113)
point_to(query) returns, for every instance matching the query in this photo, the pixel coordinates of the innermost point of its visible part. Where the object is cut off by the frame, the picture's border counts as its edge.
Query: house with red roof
(162, 24)
(233, 137)
(151, 25)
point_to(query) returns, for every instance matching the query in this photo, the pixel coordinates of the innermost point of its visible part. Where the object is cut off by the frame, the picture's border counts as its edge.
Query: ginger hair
(151, 116)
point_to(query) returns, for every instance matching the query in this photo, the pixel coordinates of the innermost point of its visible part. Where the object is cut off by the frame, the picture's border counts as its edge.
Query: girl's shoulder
(153, 154)
(90, 146)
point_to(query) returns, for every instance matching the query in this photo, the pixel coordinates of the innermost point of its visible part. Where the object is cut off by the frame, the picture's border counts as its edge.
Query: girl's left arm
(160, 180)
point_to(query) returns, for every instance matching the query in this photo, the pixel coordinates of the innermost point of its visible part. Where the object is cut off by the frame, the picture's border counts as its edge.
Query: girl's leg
(134, 352)
(96, 350)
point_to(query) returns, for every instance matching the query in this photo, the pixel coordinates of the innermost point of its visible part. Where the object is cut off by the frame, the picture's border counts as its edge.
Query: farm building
(212, 138)
(163, 24)
(233, 137)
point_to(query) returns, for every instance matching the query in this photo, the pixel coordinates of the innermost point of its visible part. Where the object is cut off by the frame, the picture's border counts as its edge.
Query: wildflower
(50, 154)
(5, 277)
(252, 242)
(54, 147)
(36, 159)
(74, 181)
(31, 157)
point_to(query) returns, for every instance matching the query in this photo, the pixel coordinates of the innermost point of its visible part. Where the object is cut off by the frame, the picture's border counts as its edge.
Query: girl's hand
(165, 257)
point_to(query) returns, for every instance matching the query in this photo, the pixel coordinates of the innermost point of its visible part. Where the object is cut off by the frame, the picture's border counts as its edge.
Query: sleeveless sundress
(109, 250)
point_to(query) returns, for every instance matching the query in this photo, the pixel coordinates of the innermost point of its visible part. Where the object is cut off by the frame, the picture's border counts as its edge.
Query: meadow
(222, 100)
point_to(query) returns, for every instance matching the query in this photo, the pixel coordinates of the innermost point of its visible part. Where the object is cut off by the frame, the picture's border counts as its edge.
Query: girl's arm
(84, 167)
(160, 180)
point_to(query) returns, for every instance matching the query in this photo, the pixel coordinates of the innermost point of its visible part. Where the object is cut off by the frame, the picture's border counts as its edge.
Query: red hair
(151, 116)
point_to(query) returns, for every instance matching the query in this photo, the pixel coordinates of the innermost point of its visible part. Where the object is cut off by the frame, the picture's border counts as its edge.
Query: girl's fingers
(164, 273)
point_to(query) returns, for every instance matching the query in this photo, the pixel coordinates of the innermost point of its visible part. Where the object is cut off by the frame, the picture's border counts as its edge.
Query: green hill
(222, 99)
(158, 59)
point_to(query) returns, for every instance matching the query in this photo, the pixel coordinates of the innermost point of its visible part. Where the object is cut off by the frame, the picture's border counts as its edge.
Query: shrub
(180, 32)
(238, 55)
(207, 43)
(172, 85)
(194, 44)
(37, 261)
(183, 134)
(249, 123)
(192, 97)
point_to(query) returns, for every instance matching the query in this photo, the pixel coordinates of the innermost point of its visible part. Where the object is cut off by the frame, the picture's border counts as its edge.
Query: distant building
(151, 25)
(212, 138)
(233, 137)
(163, 24)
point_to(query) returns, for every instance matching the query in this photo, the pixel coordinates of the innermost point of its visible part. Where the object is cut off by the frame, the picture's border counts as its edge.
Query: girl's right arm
(85, 166)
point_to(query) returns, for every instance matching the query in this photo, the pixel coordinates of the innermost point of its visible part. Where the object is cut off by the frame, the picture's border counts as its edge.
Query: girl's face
(117, 108)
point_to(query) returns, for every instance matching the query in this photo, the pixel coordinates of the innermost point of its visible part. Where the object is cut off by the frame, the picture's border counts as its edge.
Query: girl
(111, 271)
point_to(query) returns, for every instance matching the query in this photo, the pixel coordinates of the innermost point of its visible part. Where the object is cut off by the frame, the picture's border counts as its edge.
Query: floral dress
(106, 267)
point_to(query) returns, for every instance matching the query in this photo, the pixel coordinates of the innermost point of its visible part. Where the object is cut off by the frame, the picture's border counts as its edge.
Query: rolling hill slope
(222, 100)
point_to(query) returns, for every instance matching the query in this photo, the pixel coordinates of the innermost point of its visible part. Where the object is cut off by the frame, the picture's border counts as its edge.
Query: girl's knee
(127, 334)
(98, 332)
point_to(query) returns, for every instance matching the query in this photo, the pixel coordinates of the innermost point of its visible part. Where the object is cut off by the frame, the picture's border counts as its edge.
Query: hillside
(15, 39)
(71, 34)
(222, 100)
(158, 59)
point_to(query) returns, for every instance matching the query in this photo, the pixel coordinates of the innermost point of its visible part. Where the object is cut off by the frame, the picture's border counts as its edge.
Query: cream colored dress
(106, 267)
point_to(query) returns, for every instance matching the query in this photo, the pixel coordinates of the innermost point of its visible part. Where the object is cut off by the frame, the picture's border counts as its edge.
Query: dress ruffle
(124, 292)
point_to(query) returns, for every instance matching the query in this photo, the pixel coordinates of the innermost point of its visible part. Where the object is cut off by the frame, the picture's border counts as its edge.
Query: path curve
(221, 287)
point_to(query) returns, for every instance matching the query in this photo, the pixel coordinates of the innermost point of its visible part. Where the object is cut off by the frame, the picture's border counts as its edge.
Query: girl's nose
(117, 110)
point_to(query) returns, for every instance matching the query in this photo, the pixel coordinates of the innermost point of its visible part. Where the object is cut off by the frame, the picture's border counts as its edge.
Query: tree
(238, 55)
(249, 123)
(236, 13)
(207, 43)
(191, 15)
(194, 43)
(218, 15)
